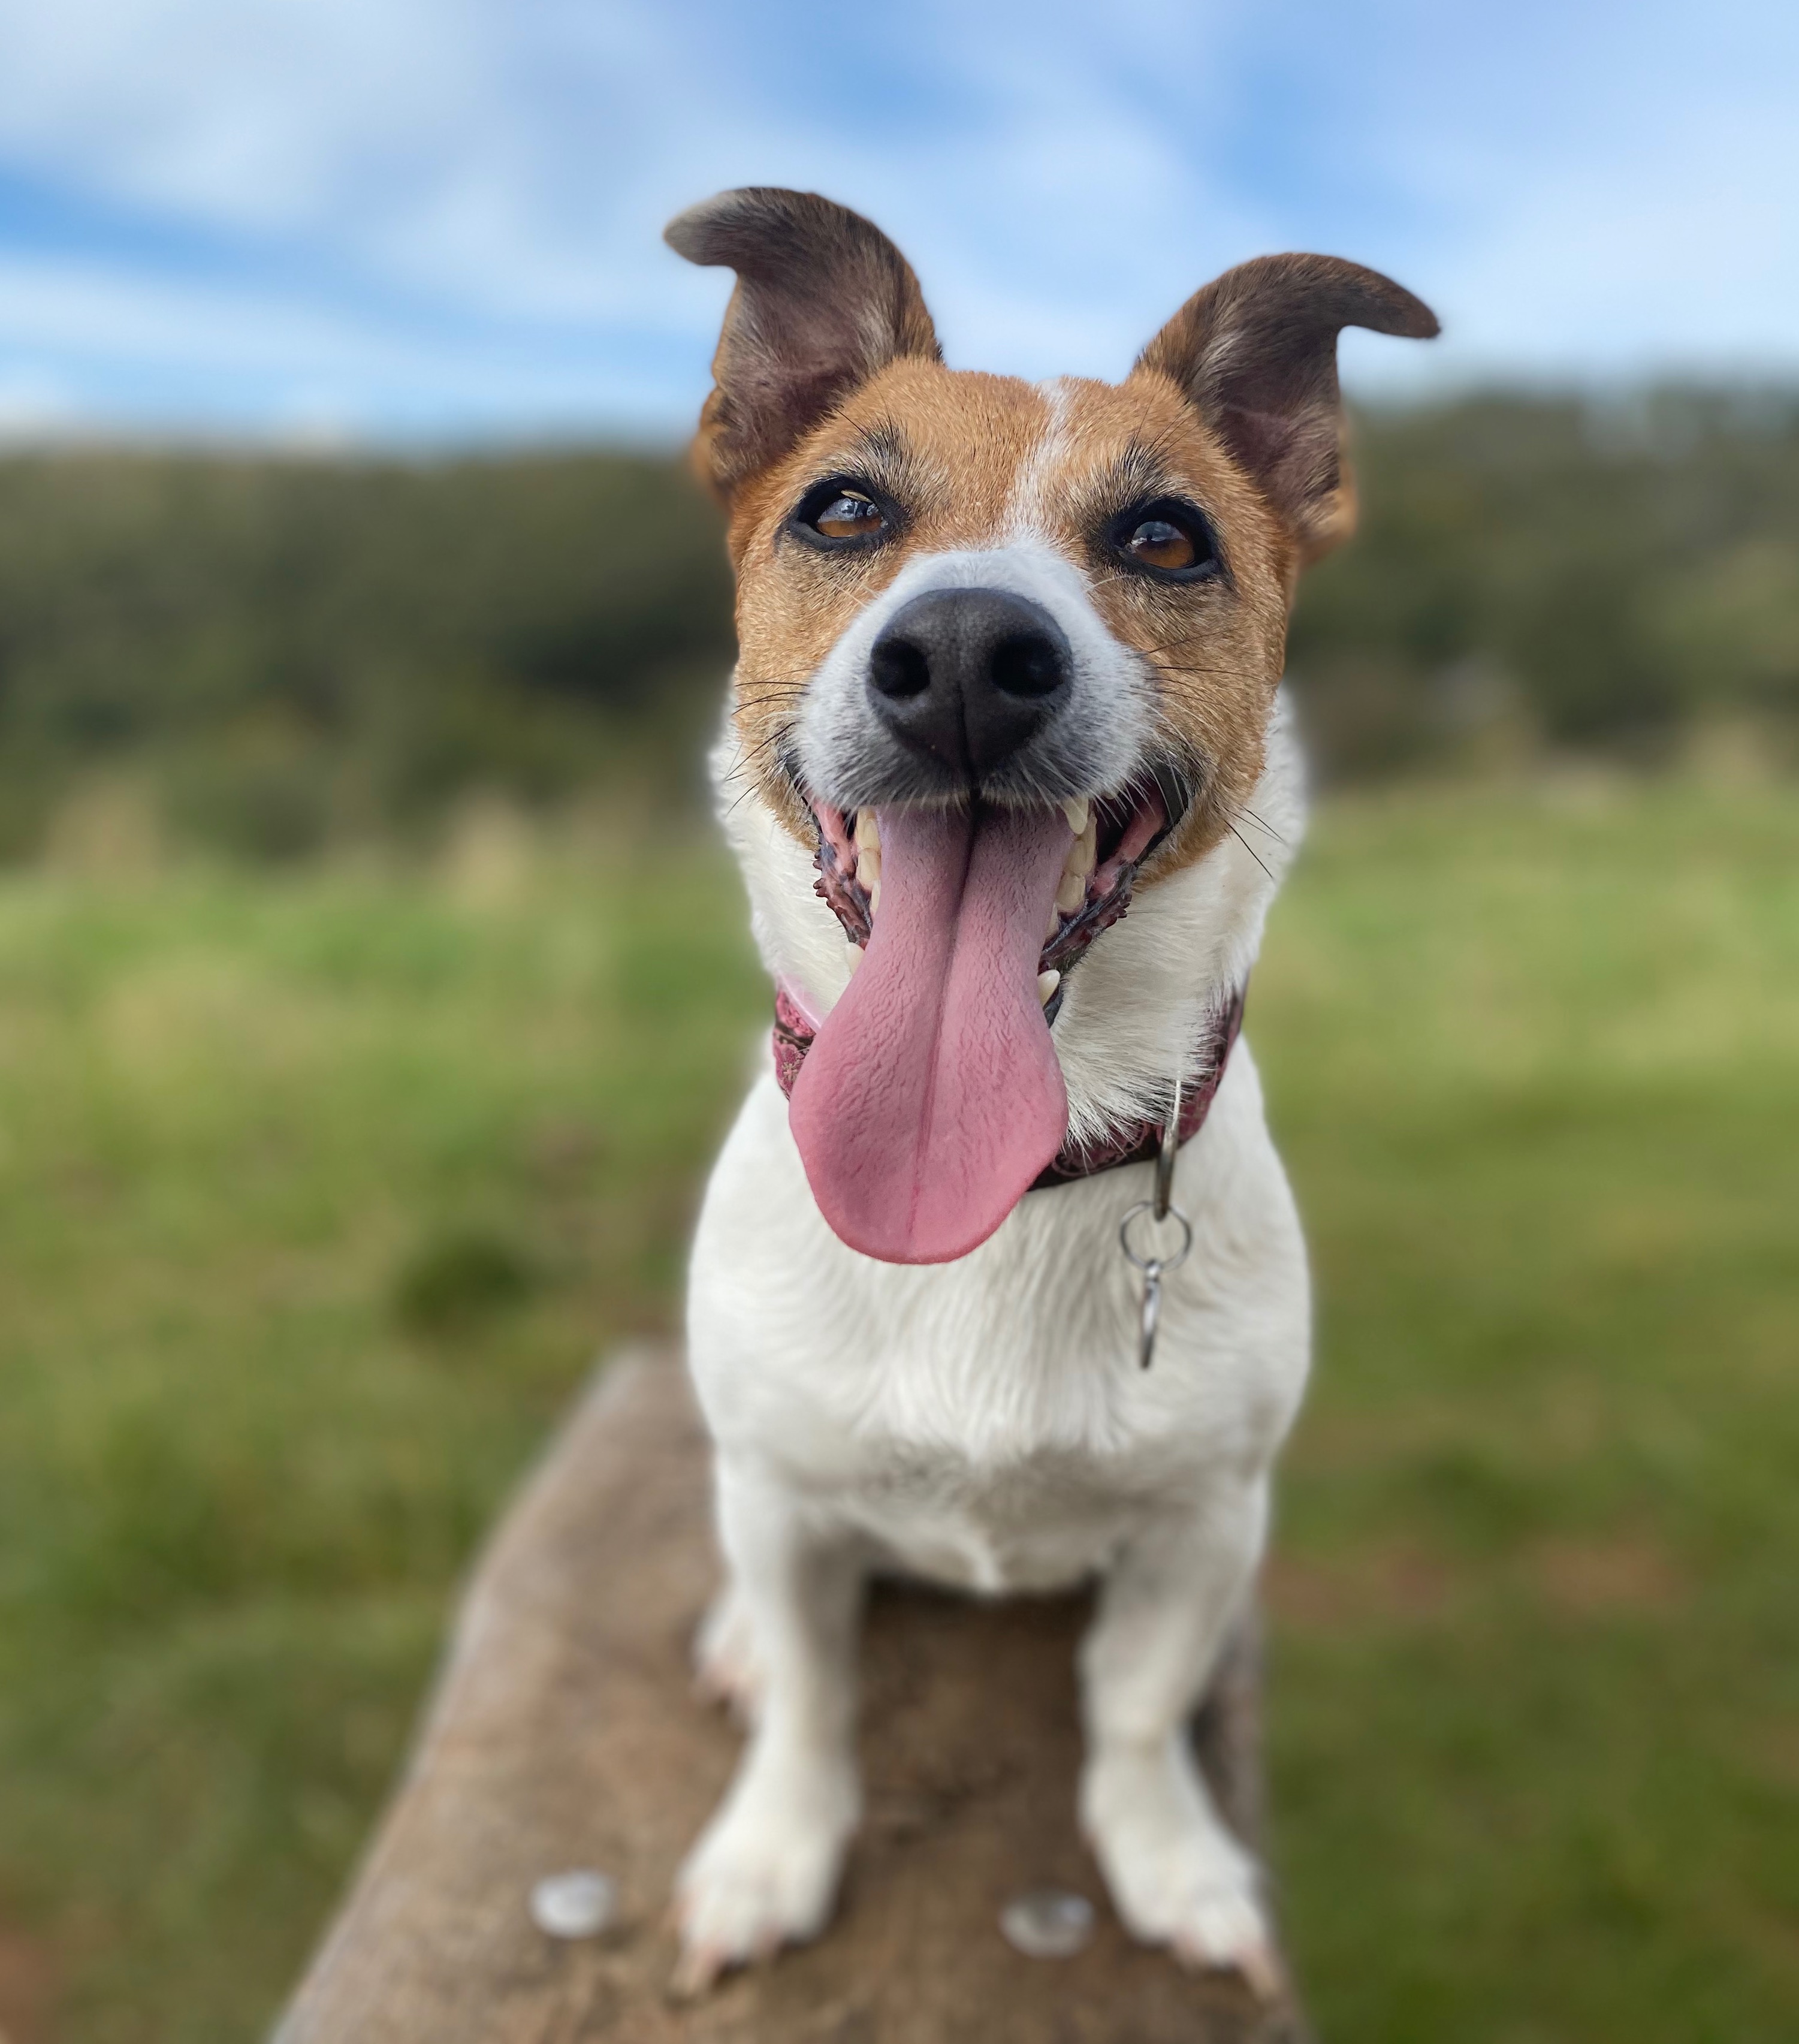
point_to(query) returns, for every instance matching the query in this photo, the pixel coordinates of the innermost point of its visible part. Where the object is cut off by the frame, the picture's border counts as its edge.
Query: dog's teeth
(874, 893)
(868, 867)
(1070, 892)
(855, 958)
(1076, 813)
(1047, 983)
(1055, 923)
(868, 831)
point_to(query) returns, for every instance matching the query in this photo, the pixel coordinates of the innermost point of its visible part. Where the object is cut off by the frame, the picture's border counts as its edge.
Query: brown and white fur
(983, 1422)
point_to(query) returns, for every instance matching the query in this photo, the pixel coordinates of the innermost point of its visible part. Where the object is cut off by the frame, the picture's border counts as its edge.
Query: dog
(1009, 658)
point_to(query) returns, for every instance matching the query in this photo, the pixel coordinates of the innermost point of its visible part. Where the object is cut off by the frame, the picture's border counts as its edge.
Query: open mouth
(932, 1097)
(1112, 836)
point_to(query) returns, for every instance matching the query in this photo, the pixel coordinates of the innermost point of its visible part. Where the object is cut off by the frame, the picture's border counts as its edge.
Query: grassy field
(318, 1194)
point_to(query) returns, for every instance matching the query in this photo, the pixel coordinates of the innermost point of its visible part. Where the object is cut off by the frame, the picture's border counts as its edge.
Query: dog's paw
(726, 1670)
(763, 1875)
(1176, 1876)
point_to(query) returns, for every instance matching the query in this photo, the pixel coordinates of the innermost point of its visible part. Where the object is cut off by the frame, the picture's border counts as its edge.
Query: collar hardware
(1140, 1141)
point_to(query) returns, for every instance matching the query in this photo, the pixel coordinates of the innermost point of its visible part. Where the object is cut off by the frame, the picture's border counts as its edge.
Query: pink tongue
(932, 1097)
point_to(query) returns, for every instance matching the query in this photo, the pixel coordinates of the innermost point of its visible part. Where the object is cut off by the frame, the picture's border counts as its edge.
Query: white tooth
(1047, 983)
(1081, 859)
(1075, 811)
(868, 867)
(855, 958)
(1071, 892)
(874, 896)
(868, 831)
(1055, 924)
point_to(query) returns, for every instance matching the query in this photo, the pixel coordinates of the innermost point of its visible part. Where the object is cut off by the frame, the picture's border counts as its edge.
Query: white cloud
(453, 205)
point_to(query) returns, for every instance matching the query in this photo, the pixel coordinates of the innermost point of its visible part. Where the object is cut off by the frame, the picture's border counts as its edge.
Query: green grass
(1536, 1738)
(317, 1196)
(317, 1199)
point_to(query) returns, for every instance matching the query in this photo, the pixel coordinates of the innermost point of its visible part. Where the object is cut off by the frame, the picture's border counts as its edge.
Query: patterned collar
(1131, 1142)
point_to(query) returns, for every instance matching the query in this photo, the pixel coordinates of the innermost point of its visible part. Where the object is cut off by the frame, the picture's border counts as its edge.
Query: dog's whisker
(1244, 809)
(1249, 847)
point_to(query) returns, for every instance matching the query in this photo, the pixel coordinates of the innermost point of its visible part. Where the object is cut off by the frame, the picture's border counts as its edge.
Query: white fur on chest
(985, 1422)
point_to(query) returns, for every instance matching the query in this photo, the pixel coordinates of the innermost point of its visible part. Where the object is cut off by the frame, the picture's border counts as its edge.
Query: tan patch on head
(1215, 649)
(976, 461)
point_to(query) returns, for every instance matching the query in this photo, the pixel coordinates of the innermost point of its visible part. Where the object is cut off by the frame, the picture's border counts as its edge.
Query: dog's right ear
(1255, 352)
(824, 300)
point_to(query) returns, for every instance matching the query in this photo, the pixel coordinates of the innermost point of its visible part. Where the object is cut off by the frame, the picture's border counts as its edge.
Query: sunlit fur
(984, 1423)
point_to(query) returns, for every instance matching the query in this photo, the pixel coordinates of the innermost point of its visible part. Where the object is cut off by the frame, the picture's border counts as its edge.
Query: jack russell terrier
(1009, 667)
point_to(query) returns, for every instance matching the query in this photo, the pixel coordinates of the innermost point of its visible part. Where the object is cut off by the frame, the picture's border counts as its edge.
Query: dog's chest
(1037, 1523)
(985, 1423)
(1015, 1471)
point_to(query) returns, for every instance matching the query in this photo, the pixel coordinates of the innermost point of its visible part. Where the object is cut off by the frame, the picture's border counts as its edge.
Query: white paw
(1177, 1875)
(764, 1874)
(725, 1668)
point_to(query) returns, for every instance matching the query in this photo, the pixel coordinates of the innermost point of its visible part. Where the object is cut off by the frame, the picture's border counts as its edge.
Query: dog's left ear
(824, 300)
(1256, 353)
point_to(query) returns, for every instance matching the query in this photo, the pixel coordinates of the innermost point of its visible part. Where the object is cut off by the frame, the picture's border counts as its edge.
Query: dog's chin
(932, 1098)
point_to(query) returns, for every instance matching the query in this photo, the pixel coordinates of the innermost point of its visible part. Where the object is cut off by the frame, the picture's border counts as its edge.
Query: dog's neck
(1135, 1010)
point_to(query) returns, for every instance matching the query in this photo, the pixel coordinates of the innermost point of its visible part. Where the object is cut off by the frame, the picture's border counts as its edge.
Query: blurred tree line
(288, 652)
(1537, 574)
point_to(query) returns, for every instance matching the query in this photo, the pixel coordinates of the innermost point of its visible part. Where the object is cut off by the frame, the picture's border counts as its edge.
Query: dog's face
(1001, 646)
(1018, 593)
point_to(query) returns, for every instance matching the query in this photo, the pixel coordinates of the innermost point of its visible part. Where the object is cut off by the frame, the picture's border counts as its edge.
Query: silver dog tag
(1160, 1209)
(1152, 1311)
(1154, 1270)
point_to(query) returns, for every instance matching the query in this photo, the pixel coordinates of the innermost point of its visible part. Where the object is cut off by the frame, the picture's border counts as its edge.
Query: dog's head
(1002, 646)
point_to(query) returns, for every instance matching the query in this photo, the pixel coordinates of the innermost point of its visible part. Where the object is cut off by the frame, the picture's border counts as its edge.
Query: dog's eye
(1169, 538)
(849, 516)
(1158, 543)
(842, 514)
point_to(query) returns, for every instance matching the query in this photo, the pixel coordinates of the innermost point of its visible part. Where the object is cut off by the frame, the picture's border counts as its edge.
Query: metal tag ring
(1166, 1152)
(1161, 1263)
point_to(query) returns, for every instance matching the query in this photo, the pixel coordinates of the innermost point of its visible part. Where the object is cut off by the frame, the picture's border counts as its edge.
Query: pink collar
(1133, 1143)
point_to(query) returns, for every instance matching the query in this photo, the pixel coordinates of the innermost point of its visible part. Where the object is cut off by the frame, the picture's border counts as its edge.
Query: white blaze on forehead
(1028, 507)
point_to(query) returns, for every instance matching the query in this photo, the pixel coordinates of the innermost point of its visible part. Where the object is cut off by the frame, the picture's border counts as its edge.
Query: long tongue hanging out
(932, 1097)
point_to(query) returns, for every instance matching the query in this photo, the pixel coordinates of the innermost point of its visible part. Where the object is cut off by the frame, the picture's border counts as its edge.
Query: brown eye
(849, 515)
(1169, 538)
(1158, 545)
(844, 515)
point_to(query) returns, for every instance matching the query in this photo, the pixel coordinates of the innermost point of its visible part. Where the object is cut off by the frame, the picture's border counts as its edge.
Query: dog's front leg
(1176, 1875)
(764, 1871)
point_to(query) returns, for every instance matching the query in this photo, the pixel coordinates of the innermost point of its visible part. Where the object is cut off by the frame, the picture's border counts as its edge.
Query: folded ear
(1255, 351)
(824, 300)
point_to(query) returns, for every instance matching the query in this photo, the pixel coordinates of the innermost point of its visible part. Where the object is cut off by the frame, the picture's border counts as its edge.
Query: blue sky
(438, 219)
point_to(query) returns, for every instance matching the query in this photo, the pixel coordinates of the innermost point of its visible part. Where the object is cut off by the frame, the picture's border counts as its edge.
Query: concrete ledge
(564, 1734)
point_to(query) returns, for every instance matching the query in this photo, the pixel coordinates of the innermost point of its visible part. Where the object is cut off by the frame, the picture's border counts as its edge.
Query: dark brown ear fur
(824, 300)
(1255, 351)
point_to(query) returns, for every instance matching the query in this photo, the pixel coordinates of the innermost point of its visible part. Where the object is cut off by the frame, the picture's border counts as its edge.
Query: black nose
(968, 676)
